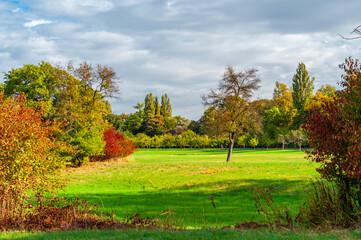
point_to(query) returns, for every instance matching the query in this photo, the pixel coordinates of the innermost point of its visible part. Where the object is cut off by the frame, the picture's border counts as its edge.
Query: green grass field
(181, 181)
(207, 234)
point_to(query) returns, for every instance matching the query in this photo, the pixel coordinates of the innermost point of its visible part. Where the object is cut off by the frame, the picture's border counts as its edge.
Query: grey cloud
(182, 47)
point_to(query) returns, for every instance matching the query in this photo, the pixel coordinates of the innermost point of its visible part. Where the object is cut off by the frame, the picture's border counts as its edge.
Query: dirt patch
(96, 166)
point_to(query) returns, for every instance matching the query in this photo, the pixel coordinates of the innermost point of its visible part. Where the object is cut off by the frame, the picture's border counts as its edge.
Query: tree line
(77, 97)
(232, 117)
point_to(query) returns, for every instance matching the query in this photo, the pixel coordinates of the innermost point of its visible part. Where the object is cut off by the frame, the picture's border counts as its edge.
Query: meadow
(176, 184)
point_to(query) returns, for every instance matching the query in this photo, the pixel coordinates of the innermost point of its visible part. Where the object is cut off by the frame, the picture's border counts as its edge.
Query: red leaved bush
(334, 132)
(116, 145)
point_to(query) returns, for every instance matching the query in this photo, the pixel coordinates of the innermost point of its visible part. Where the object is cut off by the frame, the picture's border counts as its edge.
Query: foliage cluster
(30, 155)
(48, 115)
(333, 127)
(334, 131)
(190, 139)
(77, 96)
(322, 209)
(116, 145)
(63, 214)
(231, 114)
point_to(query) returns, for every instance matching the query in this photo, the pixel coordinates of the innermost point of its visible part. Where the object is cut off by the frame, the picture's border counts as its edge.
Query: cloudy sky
(181, 47)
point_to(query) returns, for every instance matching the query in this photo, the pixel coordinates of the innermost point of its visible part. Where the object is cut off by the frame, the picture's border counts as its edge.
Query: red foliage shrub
(116, 145)
(334, 132)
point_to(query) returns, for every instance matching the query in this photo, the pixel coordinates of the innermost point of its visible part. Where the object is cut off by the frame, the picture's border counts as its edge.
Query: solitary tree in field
(233, 113)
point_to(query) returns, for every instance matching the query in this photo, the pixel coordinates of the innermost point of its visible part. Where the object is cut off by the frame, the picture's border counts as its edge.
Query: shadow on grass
(215, 151)
(191, 206)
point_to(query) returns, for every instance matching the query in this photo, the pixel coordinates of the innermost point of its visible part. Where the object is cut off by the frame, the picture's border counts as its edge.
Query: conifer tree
(166, 108)
(149, 105)
(156, 106)
(302, 86)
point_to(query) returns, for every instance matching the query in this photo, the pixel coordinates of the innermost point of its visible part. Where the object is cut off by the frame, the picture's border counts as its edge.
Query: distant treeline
(276, 122)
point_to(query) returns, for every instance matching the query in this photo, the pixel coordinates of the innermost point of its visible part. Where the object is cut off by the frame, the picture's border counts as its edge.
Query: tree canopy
(234, 114)
(76, 95)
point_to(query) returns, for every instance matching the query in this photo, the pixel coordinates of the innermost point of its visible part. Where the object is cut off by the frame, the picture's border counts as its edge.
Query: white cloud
(34, 23)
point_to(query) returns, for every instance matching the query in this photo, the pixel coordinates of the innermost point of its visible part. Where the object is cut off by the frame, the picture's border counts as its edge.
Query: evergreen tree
(165, 108)
(149, 105)
(156, 106)
(302, 86)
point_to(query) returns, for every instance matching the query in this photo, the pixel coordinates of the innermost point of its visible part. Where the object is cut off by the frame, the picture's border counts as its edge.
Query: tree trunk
(231, 142)
(345, 196)
(283, 146)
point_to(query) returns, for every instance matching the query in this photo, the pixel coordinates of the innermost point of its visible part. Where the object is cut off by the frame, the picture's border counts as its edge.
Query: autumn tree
(155, 125)
(234, 113)
(78, 95)
(30, 156)
(334, 132)
(116, 145)
(282, 96)
(325, 94)
(102, 80)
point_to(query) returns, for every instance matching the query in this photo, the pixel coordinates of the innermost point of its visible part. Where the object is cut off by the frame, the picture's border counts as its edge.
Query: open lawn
(207, 234)
(180, 182)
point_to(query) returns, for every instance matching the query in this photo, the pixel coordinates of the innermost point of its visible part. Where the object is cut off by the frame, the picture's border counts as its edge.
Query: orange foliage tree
(29, 156)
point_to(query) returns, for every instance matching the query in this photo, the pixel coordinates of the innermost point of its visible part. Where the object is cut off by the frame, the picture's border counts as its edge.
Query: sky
(182, 47)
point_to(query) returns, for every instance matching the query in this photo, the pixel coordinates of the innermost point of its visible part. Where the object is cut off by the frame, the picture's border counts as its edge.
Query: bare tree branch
(357, 31)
